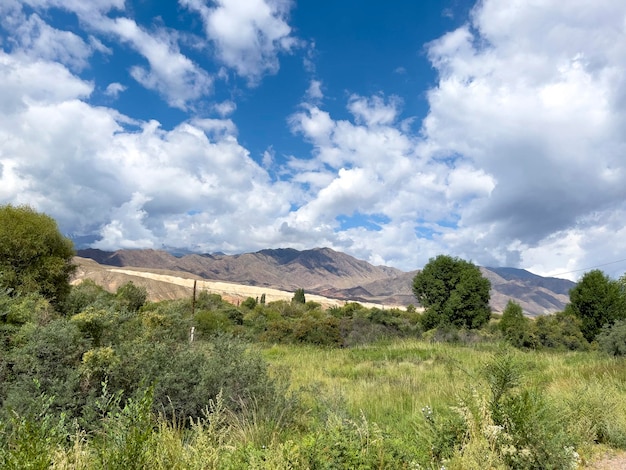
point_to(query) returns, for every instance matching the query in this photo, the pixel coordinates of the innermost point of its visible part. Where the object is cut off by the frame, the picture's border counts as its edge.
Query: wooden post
(193, 300)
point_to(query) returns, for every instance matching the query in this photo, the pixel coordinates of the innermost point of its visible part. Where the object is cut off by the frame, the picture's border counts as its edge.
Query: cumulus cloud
(171, 74)
(132, 183)
(532, 95)
(36, 38)
(248, 34)
(519, 161)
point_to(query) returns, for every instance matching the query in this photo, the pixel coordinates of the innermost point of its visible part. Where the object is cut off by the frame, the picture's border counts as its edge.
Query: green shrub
(612, 339)
(29, 440)
(560, 331)
(322, 331)
(131, 297)
(86, 294)
(249, 303)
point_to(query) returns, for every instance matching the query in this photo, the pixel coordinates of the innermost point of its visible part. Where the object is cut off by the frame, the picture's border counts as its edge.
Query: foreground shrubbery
(109, 381)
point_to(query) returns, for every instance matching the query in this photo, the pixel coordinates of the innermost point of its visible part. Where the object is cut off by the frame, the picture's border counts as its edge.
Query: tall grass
(393, 384)
(401, 404)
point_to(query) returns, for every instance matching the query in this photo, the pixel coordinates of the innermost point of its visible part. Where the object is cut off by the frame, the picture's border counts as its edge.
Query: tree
(453, 292)
(34, 256)
(597, 301)
(298, 297)
(515, 326)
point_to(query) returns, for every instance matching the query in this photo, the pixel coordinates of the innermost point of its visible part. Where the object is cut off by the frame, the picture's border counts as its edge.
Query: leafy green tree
(34, 256)
(453, 292)
(515, 327)
(597, 301)
(298, 297)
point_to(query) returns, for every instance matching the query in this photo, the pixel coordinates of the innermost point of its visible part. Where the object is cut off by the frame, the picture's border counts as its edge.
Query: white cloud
(171, 74)
(248, 34)
(374, 110)
(97, 171)
(22, 84)
(532, 95)
(225, 108)
(114, 89)
(519, 161)
(314, 92)
(126, 229)
(37, 39)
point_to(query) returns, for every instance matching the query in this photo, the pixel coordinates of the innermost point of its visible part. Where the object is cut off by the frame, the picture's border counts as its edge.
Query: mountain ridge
(333, 274)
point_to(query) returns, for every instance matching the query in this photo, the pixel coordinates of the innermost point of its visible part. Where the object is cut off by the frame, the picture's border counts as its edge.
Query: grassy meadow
(397, 384)
(117, 383)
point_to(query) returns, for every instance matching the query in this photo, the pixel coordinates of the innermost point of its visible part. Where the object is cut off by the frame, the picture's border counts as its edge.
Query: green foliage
(86, 294)
(513, 425)
(131, 297)
(322, 330)
(351, 443)
(516, 328)
(560, 331)
(34, 256)
(208, 301)
(210, 322)
(443, 435)
(126, 435)
(298, 297)
(120, 386)
(453, 291)
(31, 439)
(93, 323)
(597, 301)
(249, 303)
(29, 308)
(49, 357)
(612, 339)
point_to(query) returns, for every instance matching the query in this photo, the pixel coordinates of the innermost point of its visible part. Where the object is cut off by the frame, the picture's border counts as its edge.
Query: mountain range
(335, 275)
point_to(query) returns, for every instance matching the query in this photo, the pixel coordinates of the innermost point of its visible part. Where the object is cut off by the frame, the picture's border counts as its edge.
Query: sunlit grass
(390, 383)
(371, 399)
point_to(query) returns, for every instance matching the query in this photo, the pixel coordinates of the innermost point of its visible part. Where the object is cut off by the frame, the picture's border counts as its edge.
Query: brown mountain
(336, 275)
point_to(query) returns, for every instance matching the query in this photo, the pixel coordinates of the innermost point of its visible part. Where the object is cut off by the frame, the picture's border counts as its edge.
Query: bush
(249, 303)
(513, 425)
(322, 331)
(131, 297)
(560, 331)
(86, 294)
(612, 339)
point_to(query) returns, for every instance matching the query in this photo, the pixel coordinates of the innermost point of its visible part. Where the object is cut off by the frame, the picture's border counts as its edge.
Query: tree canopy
(598, 301)
(34, 256)
(453, 292)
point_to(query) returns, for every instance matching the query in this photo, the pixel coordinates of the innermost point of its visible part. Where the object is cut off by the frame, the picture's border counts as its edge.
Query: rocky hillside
(335, 275)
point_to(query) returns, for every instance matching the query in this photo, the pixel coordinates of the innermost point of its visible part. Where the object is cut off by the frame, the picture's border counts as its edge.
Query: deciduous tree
(453, 292)
(598, 301)
(34, 256)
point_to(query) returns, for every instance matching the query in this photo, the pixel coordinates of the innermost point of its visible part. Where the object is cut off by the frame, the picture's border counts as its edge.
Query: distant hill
(337, 275)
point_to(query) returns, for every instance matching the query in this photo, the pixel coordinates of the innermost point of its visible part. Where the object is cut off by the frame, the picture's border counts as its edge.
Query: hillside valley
(331, 275)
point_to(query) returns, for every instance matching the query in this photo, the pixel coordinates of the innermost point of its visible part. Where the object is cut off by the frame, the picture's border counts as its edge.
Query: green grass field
(392, 384)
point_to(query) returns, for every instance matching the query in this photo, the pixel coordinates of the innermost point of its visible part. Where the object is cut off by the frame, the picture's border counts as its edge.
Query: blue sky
(394, 131)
